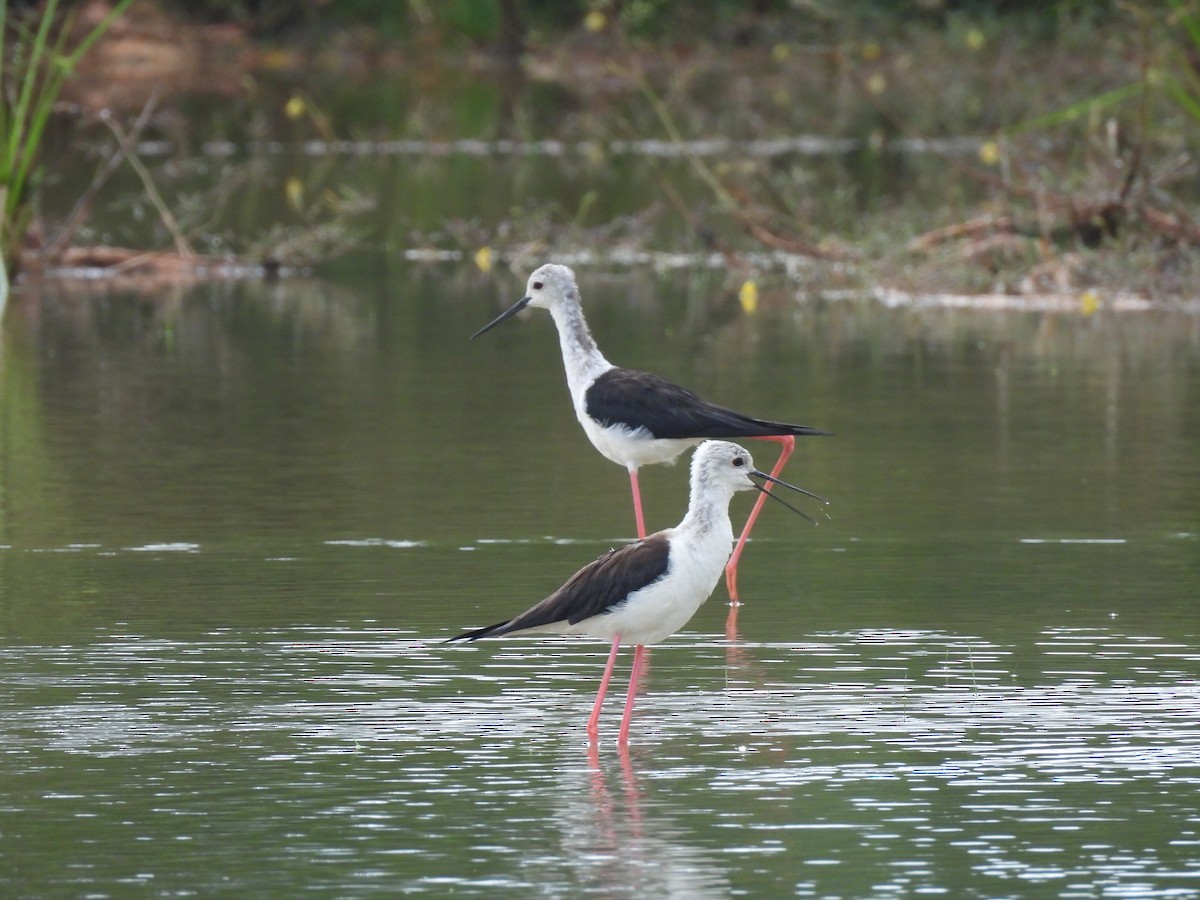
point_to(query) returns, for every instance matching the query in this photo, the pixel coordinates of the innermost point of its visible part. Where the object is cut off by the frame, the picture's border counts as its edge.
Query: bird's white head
(728, 467)
(723, 464)
(550, 285)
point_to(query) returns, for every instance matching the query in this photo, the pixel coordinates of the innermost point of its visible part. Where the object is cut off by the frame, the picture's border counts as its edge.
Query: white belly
(658, 611)
(633, 447)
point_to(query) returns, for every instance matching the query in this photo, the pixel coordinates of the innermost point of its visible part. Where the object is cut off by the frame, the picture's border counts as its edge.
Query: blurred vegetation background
(485, 20)
(1049, 145)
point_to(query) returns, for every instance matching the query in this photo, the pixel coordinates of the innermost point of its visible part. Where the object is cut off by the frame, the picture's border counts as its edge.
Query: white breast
(632, 447)
(659, 610)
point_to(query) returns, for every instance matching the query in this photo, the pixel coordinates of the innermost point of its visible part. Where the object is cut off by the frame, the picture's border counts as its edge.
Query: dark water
(236, 521)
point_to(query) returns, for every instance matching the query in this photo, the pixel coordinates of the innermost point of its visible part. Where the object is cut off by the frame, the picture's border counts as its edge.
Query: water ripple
(873, 762)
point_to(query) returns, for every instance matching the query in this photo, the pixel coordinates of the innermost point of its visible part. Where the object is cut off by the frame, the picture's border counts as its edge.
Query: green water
(236, 522)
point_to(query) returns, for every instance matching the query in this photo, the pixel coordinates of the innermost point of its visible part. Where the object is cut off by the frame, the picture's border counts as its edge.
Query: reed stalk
(35, 63)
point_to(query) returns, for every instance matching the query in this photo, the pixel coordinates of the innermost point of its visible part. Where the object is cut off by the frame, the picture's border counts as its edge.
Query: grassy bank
(1015, 148)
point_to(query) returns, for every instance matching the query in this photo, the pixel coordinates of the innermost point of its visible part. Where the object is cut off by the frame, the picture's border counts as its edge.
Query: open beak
(511, 311)
(765, 477)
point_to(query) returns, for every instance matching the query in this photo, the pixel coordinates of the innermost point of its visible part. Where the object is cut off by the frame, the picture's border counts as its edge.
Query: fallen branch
(788, 243)
(83, 205)
(126, 145)
(982, 226)
(1171, 225)
(149, 270)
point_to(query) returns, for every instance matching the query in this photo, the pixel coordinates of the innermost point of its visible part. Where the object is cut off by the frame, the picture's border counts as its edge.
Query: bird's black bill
(765, 477)
(799, 490)
(511, 311)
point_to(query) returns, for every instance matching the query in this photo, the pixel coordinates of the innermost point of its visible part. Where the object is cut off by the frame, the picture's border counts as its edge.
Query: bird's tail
(766, 428)
(476, 634)
(806, 431)
(727, 423)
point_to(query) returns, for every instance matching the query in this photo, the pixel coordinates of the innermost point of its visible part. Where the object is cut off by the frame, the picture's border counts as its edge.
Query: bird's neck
(708, 516)
(581, 357)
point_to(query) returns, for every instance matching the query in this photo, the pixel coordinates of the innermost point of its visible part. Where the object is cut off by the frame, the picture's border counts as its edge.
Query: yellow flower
(595, 20)
(295, 107)
(483, 259)
(1089, 301)
(989, 153)
(748, 297)
(293, 189)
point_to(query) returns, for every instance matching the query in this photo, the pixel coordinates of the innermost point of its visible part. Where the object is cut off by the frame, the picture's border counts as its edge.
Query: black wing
(666, 410)
(598, 587)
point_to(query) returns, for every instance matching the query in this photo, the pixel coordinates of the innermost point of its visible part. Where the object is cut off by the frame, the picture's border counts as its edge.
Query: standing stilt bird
(635, 418)
(646, 591)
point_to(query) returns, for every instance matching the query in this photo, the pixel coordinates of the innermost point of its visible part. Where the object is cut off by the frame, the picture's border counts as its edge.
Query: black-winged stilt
(646, 591)
(636, 418)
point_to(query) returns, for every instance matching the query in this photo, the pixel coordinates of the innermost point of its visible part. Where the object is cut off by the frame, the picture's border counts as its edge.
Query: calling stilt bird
(644, 592)
(636, 418)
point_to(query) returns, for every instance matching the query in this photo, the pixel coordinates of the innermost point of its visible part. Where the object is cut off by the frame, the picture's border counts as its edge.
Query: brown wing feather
(600, 586)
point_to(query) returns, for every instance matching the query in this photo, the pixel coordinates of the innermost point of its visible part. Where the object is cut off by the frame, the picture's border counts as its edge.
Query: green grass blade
(1078, 110)
(3, 33)
(37, 50)
(47, 63)
(94, 35)
(1189, 101)
(1189, 19)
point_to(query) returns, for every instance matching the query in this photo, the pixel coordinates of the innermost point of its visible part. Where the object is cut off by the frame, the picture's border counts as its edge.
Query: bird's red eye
(738, 462)
(537, 285)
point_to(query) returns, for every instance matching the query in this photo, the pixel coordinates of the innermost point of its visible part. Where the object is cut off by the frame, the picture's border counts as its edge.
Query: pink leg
(637, 503)
(789, 444)
(593, 725)
(639, 654)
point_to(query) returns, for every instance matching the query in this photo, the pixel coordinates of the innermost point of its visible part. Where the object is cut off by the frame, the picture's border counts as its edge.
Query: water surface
(237, 522)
